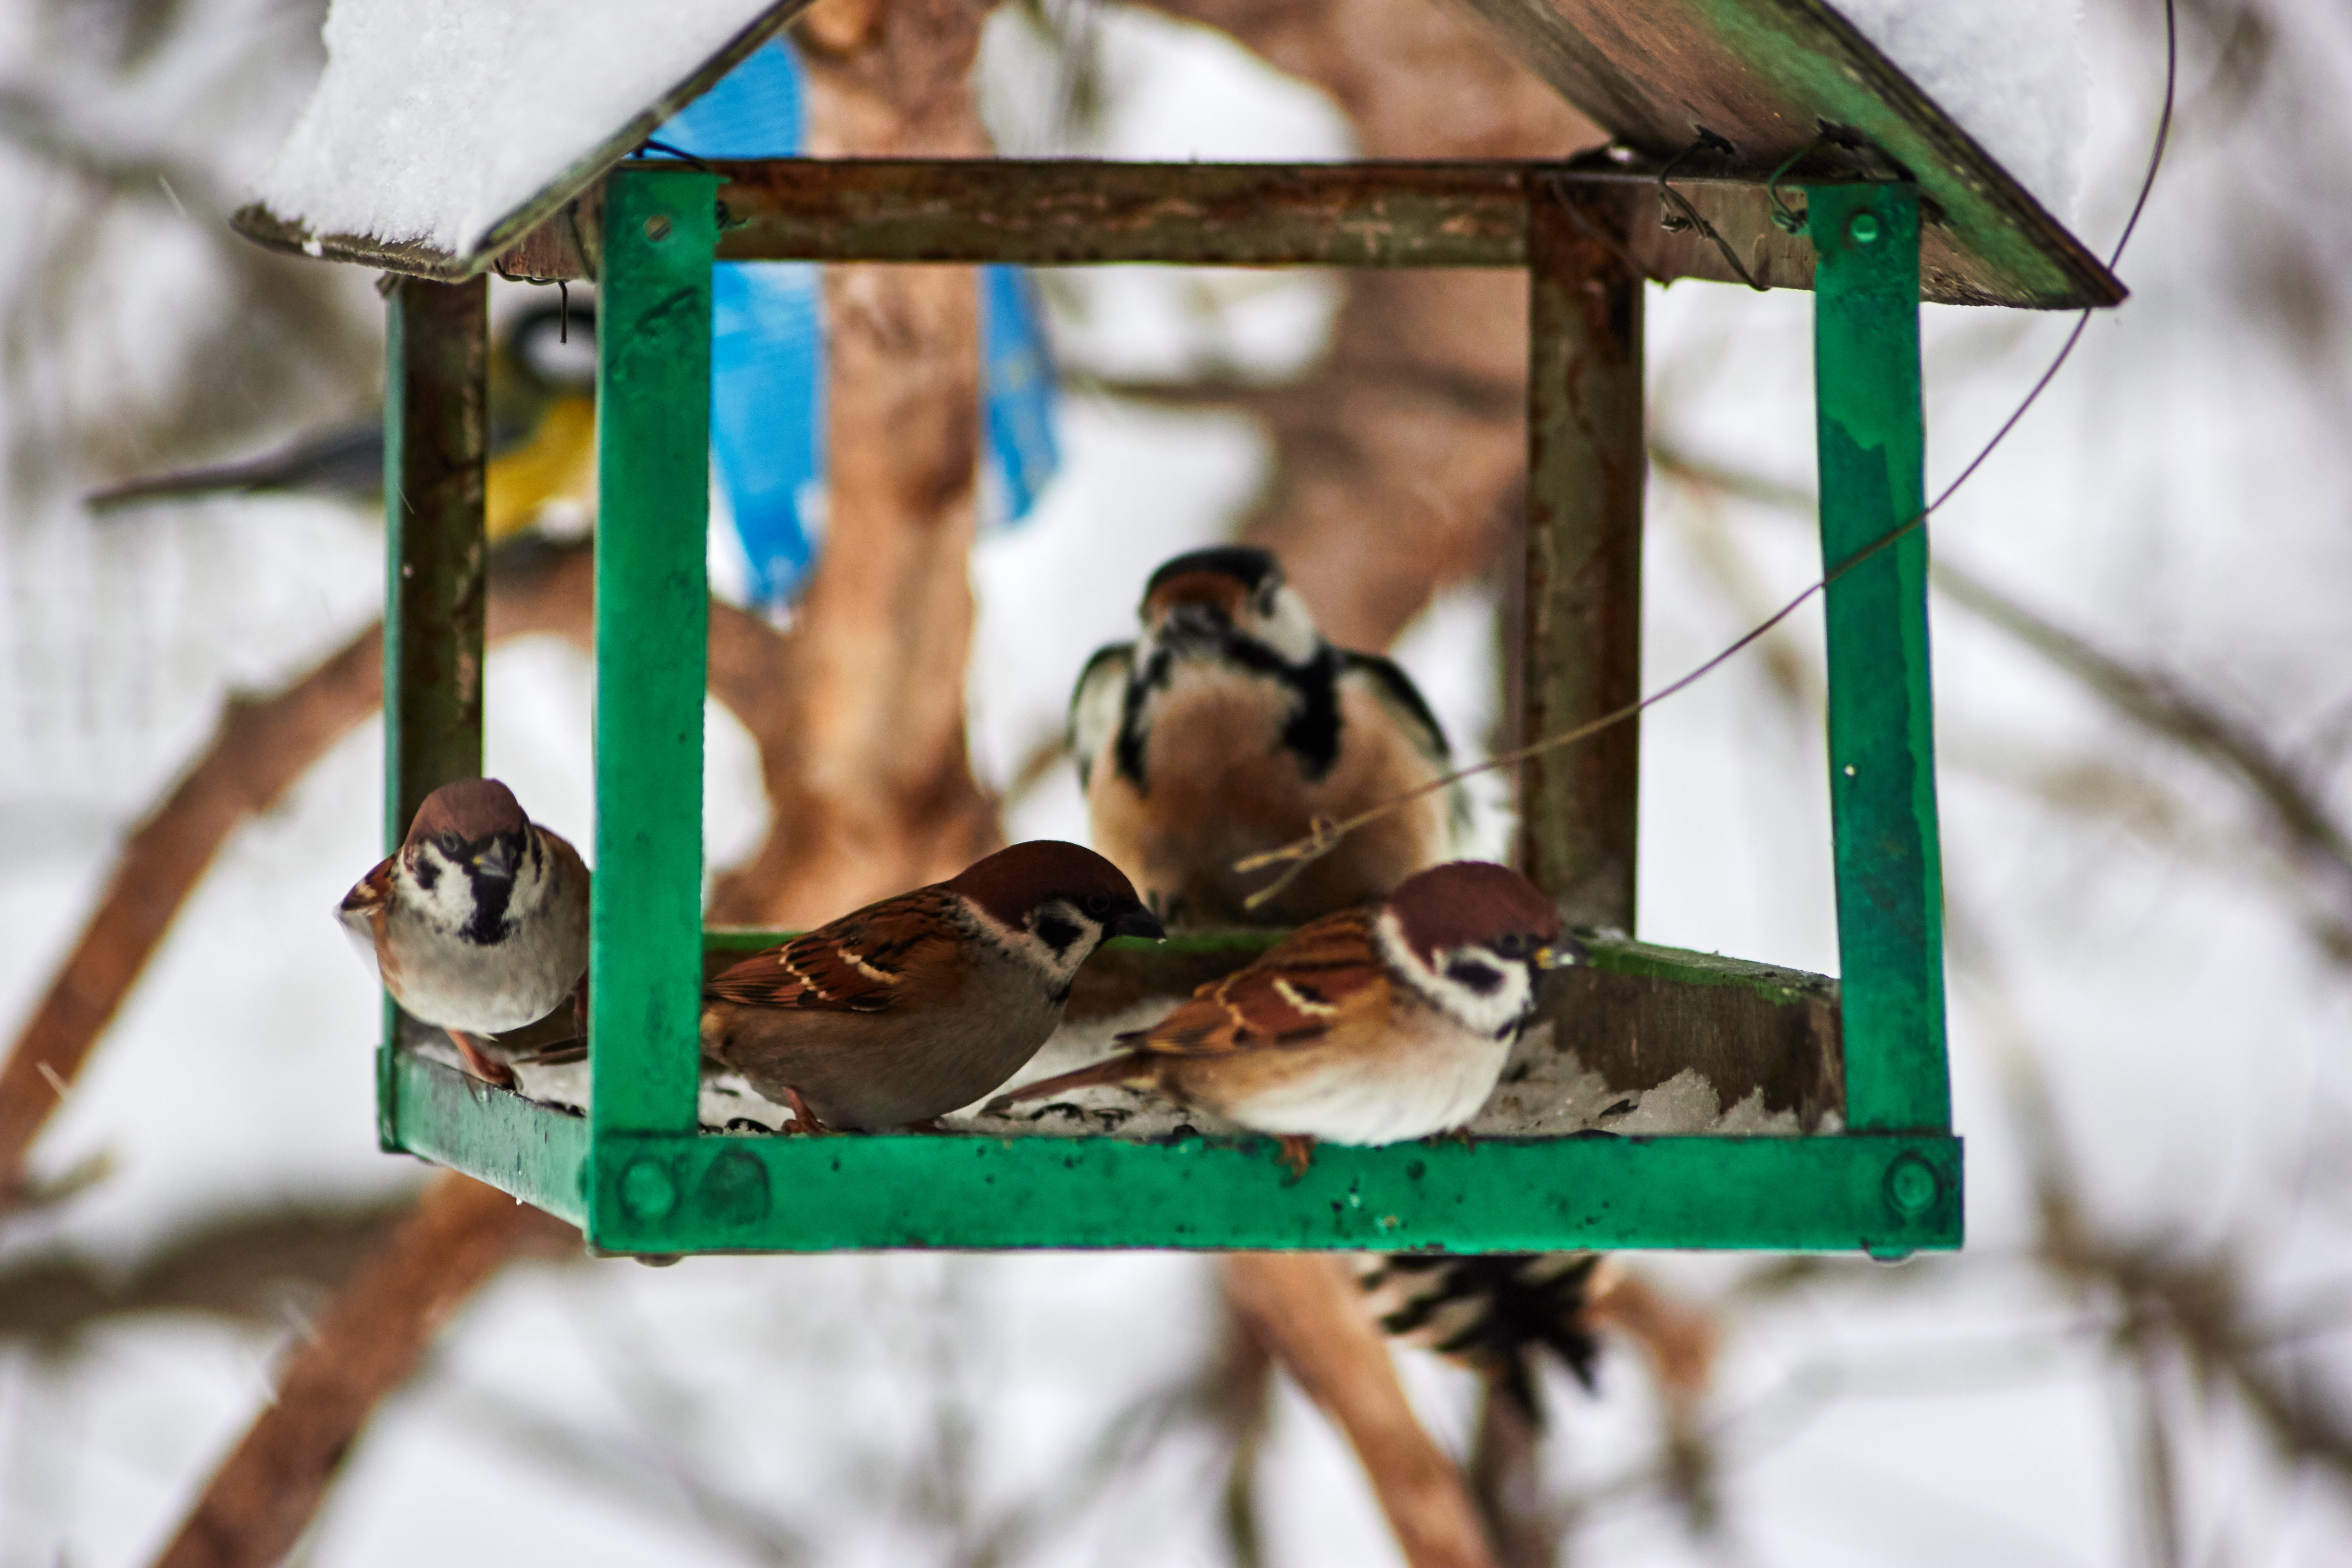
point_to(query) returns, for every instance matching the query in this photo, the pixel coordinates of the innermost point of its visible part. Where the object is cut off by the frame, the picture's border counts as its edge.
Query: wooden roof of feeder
(1774, 85)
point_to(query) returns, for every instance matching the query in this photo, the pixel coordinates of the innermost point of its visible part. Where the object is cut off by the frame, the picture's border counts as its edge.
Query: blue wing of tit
(529, 439)
(1098, 705)
(1396, 692)
(767, 354)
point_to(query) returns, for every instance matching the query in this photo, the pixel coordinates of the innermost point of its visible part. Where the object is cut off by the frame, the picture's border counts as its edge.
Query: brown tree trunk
(866, 766)
(1400, 465)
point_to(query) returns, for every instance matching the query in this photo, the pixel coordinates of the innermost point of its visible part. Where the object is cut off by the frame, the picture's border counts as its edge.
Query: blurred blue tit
(542, 437)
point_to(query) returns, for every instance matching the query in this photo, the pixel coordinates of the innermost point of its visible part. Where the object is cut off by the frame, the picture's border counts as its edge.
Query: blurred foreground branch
(1307, 1310)
(365, 1345)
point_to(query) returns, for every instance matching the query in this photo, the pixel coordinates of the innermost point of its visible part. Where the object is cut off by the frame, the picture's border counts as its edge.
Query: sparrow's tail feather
(1128, 1068)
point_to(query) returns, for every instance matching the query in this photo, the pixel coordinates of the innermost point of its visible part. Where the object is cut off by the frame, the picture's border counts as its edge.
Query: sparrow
(1229, 726)
(542, 438)
(919, 1005)
(479, 923)
(1372, 1026)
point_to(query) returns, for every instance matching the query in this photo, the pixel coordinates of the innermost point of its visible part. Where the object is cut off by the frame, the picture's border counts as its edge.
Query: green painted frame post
(436, 465)
(652, 397)
(1873, 455)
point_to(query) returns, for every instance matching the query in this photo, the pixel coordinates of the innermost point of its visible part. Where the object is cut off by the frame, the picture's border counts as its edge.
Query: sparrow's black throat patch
(1312, 734)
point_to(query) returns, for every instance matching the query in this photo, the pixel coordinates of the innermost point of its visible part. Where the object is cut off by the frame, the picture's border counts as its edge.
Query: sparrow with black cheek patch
(922, 1003)
(479, 923)
(1372, 1025)
(1229, 726)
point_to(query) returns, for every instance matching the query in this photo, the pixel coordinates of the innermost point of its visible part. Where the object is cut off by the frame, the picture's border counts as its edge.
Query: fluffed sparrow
(1229, 726)
(922, 1003)
(1369, 1026)
(479, 923)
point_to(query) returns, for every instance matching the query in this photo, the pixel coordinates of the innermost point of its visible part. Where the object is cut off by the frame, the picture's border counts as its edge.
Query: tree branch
(1307, 1310)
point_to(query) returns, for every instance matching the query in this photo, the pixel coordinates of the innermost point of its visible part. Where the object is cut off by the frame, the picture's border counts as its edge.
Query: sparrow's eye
(1098, 904)
(1511, 946)
(452, 844)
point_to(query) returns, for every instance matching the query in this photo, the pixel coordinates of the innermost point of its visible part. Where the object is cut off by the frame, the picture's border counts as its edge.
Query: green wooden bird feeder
(1756, 140)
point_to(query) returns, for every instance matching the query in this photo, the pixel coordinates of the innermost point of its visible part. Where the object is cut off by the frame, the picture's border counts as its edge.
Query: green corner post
(1881, 725)
(652, 397)
(435, 456)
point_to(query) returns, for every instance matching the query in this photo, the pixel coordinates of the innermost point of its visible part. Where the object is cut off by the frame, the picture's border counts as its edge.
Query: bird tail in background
(1491, 1313)
(1127, 1067)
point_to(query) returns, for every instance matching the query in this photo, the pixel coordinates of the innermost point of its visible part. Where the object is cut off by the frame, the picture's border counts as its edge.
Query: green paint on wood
(754, 1193)
(1880, 723)
(537, 1152)
(653, 394)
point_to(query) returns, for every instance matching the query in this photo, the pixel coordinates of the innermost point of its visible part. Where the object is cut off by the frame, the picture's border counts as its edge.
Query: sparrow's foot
(804, 1120)
(482, 1065)
(1297, 1153)
(928, 1124)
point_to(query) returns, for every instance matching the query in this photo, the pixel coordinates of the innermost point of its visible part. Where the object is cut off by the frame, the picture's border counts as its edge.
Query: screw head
(1912, 1186)
(657, 227)
(1864, 226)
(647, 1189)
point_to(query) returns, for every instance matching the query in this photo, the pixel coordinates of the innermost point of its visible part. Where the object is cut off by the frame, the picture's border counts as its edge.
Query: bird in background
(478, 924)
(1229, 726)
(922, 1003)
(542, 389)
(1372, 1025)
(1492, 1312)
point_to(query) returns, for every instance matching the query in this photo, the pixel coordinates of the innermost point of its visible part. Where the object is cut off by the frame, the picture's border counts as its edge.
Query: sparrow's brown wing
(869, 962)
(1327, 973)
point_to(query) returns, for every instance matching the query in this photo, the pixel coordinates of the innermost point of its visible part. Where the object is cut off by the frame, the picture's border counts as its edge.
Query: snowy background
(2132, 946)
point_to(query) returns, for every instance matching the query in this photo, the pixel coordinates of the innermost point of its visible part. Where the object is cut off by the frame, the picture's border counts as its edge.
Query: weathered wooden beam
(1581, 648)
(1774, 79)
(1063, 212)
(436, 450)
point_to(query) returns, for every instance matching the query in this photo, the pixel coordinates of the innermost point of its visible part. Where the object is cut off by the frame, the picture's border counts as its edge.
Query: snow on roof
(440, 123)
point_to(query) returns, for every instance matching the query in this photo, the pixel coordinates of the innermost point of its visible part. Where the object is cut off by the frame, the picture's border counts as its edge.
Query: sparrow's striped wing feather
(1096, 702)
(868, 962)
(1402, 699)
(1329, 971)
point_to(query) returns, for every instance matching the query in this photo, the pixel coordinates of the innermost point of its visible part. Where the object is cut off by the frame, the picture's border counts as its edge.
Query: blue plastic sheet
(767, 354)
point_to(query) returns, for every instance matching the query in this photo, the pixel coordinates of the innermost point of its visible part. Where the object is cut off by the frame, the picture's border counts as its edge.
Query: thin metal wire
(1705, 141)
(1325, 834)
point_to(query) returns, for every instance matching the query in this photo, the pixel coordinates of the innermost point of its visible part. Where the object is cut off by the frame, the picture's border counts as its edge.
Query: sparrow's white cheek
(1291, 630)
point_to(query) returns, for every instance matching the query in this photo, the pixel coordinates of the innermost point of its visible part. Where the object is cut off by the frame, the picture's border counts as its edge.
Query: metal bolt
(647, 1189)
(1912, 1186)
(657, 227)
(1864, 228)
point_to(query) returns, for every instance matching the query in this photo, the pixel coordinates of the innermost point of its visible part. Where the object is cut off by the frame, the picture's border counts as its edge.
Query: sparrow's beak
(1137, 923)
(1562, 952)
(497, 861)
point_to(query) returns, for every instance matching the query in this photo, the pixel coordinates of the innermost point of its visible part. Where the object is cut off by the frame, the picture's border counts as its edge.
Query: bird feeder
(1762, 141)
